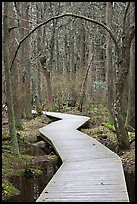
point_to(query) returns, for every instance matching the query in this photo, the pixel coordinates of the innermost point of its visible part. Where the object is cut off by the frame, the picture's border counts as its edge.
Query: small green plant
(25, 139)
(109, 126)
(39, 109)
(6, 136)
(30, 172)
(8, 190)
(7, 148)
(37, 172)
(54, 109)
(131, 136)
(54, 157)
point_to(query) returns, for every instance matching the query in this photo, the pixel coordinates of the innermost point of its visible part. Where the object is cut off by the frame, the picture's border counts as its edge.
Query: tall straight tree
(109, 66)
(15, 70)
(26, 79)
(82, 45)
(11, 118)
(130, 118)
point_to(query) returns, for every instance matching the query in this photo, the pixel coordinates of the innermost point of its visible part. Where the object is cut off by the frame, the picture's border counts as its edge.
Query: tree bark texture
(9, 100)
(109, 66)
(123, 67)
(15, 74)
(26, 79)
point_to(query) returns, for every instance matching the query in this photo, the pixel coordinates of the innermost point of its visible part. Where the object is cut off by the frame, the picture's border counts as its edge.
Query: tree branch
(60, 16)
(125, 15)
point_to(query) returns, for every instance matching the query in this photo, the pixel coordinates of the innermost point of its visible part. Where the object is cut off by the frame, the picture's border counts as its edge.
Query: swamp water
(29, 185)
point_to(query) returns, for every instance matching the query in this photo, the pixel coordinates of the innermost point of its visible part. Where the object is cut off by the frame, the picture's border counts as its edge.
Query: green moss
(37, 172)
(8, 190)
(99, 114)
(54, 157)
(7, 148)
(30, 172)
(6, 136)
(26, 139)
(54, 109)
(12, 164)
(131, 136)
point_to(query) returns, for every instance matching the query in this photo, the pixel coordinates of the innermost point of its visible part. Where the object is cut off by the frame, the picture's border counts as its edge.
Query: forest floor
(99, 127)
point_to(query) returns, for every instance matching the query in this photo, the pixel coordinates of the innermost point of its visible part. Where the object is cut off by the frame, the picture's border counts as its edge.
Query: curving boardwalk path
(90, 171)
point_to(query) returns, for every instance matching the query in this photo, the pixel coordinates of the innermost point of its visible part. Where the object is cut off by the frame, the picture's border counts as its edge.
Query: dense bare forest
(76, 57)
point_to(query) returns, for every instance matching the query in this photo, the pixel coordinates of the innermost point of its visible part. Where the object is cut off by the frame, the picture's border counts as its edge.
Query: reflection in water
(31, 188)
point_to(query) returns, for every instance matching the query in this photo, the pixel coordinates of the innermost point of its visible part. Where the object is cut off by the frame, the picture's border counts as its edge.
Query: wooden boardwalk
(90, 172)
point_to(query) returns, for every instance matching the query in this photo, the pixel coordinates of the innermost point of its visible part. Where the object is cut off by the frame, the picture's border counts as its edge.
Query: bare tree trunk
(46, 73)
(91, 71)
(123, 65)
(49, 90)
(15, 75)
(82, 46)
(130, 118)
(16, 97)
(67, 54)
(109, 66)
(28, 95)
(52, 44)
(57, 56)
(11, 118)
(72, 61)
(83, 89)
(26, 105)
(72, 65)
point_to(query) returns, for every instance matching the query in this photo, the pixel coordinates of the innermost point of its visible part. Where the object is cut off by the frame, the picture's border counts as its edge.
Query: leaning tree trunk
(123, 68)
(11, 118)
(124, 64)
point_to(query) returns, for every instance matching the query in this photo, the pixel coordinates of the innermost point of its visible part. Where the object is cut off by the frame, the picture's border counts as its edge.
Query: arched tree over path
(122, 49)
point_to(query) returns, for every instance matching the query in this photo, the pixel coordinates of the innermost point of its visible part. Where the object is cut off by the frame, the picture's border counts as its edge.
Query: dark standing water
(130, 181)
(31, 188)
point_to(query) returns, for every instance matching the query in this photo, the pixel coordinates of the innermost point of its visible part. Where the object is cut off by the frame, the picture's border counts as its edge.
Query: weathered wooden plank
(90, 171)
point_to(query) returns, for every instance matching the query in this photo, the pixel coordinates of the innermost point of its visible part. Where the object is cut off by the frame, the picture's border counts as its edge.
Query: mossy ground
(16, 165)
(8, 190)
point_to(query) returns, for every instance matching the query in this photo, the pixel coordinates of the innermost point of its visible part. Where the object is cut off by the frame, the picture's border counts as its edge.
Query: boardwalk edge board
(90, 172)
